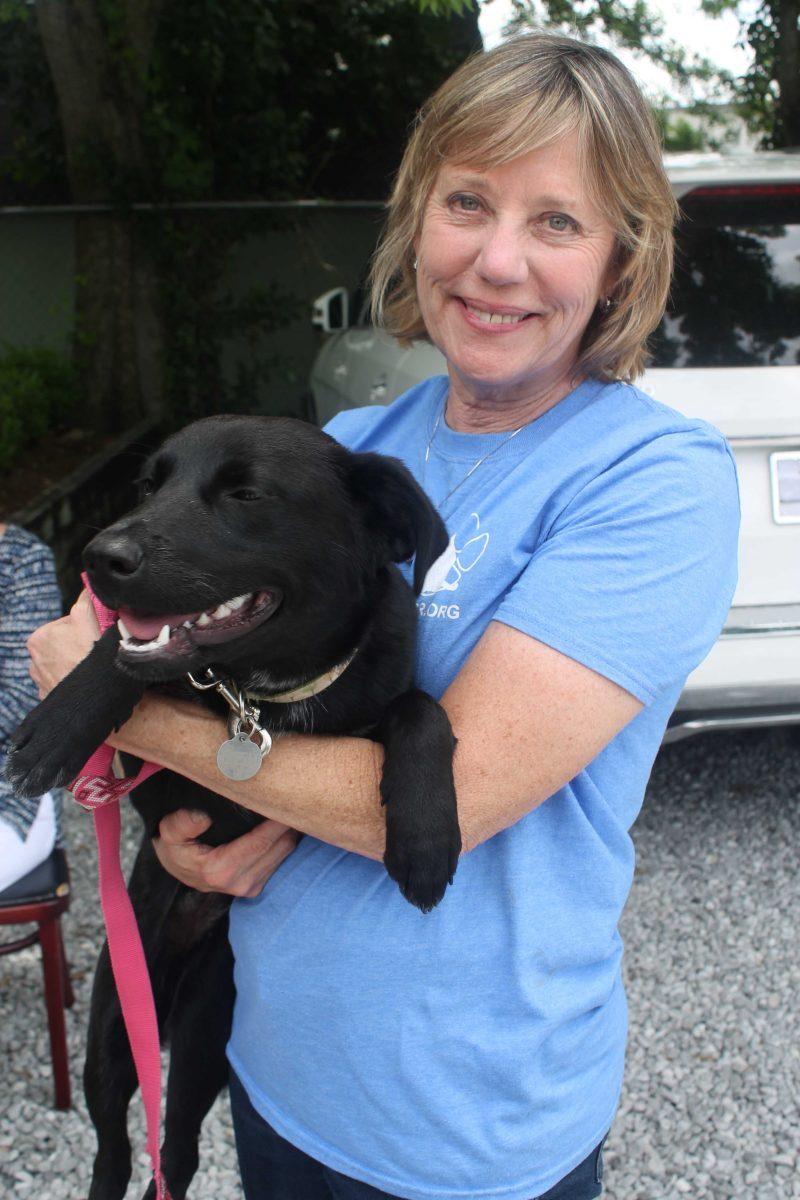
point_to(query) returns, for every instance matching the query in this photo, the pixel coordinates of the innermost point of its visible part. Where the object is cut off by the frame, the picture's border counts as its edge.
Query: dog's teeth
(204, 619)
(220, 613)
(124, 631)
(187, 624)
(163, 636)
(237, 602)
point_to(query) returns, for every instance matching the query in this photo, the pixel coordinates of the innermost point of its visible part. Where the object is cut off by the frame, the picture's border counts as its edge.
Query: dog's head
(257, 540)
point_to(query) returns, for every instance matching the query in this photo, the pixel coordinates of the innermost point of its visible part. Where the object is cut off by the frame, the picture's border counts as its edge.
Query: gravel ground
(710, 1107)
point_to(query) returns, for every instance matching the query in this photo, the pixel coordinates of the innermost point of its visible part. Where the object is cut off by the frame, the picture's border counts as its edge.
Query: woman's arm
(325, 786)
(527, 719)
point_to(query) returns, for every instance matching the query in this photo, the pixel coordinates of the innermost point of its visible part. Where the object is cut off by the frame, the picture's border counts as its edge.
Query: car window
(735, 298)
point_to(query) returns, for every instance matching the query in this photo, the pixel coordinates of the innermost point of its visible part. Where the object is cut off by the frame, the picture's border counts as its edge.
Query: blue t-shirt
(478, 1051)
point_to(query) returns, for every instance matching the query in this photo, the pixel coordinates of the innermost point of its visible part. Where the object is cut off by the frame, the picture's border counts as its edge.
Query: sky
(684, 23)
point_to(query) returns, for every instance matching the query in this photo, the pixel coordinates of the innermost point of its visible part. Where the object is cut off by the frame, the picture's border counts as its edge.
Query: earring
(605, 305)
(415, 264)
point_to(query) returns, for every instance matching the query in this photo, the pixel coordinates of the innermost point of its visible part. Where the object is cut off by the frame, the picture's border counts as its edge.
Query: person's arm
(31, 598)
(527, 719)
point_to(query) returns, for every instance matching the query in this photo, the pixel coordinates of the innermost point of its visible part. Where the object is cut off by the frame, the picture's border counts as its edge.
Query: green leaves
(38, 392)
(633, 25)
(14, 10)
(445, 8)
(768, 94)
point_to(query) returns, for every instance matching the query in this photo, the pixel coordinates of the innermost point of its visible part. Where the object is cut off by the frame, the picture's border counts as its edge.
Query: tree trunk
(99, 77)
(787, 50)
(118, 340)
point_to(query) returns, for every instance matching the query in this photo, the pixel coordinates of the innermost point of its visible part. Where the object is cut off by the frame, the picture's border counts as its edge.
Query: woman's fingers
(253, 873)
(180, 827)
(240, 868)
(56, 648)
(177, 850)
(84, 616)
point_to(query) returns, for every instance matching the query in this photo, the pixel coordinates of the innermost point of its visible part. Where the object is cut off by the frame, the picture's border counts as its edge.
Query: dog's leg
(109, 1081)
(109, 1075)
(55, 740)
(199, 1026)
(423, 840)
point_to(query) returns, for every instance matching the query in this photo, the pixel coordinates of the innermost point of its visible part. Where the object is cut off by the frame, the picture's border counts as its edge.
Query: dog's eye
(246, 495)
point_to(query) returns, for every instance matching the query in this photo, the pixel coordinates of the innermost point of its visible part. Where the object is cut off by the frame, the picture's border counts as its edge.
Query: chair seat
(48, 881)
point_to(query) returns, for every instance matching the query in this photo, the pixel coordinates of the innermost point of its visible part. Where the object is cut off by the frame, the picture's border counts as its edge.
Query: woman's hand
(57, 648)
(240, 868)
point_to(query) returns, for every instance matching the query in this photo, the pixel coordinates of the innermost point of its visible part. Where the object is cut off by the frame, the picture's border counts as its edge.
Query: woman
(29, 596)
(478, 1051)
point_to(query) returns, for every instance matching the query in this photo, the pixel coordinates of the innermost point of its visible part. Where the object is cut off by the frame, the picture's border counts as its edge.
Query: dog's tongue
(144, 629)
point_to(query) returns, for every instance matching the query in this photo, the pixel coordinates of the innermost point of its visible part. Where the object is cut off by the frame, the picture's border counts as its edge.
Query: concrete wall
(315, 249)
(37, 268)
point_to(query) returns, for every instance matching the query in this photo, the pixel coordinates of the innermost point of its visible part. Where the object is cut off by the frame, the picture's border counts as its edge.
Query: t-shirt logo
(446, 573)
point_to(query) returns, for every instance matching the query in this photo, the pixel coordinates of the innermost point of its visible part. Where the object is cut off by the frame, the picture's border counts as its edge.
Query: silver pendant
(240, 758)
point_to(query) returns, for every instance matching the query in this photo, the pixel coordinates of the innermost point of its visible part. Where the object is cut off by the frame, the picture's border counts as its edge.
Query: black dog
(262, 550)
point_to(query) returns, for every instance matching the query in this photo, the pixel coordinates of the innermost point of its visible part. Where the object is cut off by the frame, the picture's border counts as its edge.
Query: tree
(100, 57)
(632, 25)
(32, 166)
(678, 134)
(769, 94)
(164, 102)
(770, 91)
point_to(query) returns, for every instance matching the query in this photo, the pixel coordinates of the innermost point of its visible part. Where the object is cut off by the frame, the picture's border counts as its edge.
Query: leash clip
(241, 756)
(235, 698)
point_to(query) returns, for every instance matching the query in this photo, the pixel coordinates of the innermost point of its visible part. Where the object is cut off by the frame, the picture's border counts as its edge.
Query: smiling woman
(509, 275)
(476, 1053)
(566, 124)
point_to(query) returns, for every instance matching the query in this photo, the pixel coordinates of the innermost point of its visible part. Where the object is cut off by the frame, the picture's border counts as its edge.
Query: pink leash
(97, 789)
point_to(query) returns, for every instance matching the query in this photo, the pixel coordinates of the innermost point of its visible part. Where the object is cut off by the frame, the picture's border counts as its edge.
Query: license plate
(784, 467)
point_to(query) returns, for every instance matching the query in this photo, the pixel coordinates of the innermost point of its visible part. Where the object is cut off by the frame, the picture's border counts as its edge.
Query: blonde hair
(528, 93)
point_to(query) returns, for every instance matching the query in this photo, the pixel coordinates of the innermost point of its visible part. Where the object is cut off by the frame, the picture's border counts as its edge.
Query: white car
(728, 351)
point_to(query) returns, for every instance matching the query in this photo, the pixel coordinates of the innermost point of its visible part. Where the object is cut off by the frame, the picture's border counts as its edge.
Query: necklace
(474, 466)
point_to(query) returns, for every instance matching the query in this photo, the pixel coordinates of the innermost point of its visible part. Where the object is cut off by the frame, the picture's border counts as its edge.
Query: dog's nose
(116, 554)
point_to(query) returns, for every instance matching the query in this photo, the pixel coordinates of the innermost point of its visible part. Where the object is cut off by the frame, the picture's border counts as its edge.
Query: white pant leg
(18, 856)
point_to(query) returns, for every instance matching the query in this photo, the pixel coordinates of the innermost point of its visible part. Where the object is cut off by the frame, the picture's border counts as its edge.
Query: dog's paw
(422, 864)
(39, 759)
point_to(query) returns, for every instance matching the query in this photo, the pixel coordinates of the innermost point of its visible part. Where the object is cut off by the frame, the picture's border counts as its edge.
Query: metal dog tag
(240, 758)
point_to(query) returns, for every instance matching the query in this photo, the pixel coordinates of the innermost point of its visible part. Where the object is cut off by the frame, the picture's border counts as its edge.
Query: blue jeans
(273, 1169)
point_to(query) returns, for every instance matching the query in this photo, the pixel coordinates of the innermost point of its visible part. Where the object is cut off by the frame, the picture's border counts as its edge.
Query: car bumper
(751, 677)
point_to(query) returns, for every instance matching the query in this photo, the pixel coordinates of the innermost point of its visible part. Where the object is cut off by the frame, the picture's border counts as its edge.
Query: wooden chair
(42, 896)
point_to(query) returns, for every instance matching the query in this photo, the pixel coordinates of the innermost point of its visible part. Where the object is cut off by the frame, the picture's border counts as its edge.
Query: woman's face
(512, 262)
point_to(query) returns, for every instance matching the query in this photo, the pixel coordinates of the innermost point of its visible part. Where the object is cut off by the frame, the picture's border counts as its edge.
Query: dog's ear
(398, 512)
